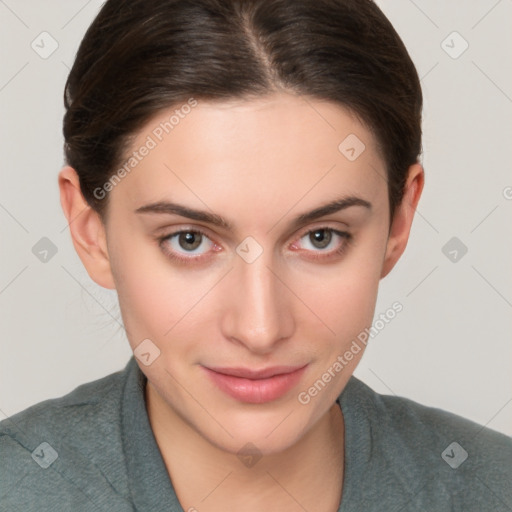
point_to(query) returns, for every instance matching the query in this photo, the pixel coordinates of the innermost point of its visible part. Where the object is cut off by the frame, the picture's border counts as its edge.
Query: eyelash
(348, 239)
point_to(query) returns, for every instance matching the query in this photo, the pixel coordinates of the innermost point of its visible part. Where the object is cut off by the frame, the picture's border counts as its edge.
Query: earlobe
(86, 229)
(402, 222)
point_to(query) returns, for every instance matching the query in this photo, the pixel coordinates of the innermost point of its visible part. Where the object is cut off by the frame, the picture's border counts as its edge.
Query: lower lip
(256, 391)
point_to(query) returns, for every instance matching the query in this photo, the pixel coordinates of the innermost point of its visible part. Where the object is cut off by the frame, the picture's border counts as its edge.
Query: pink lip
(256, 386)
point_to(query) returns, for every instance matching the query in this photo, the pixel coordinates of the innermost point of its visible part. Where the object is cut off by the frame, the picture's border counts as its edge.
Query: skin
(259, 164)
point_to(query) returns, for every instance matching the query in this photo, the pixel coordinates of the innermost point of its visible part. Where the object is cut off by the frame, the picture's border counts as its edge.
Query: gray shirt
(93, 450)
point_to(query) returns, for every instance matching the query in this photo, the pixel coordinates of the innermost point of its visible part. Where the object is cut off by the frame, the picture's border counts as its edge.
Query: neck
(209, 478)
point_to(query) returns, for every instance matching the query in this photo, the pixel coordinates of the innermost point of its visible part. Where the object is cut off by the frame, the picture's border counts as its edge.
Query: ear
(86, 228)
(402, 222)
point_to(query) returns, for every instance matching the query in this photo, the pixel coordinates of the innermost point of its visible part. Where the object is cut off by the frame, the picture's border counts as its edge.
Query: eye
(325, 241)
(193, 245)
(190, 242)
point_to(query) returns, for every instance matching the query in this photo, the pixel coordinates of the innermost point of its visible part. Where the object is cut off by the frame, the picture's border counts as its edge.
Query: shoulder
(436, 454)
(56, 416)
(63, 448)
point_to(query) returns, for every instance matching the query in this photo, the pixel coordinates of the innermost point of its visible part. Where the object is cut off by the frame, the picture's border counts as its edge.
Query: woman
(243, 174)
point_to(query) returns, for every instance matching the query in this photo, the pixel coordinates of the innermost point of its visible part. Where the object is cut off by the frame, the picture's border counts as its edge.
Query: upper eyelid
(302, 231)
(322, 226)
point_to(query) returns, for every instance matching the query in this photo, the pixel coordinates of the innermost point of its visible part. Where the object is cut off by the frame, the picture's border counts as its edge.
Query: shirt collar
(150, 486)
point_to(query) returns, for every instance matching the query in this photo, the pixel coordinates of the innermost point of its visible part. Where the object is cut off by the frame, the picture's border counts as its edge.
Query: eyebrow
(165, 207)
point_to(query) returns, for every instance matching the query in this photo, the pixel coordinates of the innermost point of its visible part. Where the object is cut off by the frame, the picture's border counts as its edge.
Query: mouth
(256, 386)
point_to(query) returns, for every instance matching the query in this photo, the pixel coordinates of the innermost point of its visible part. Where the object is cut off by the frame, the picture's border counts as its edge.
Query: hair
(139, 58)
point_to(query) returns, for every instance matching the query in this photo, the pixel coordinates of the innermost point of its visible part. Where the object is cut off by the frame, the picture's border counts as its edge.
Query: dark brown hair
(139, 57)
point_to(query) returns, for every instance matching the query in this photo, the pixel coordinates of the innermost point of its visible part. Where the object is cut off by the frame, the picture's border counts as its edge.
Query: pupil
(189, 239)
(321, 236)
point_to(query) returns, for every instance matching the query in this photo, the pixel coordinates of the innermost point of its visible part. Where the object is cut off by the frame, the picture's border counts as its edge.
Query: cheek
(344, 295)
(161, 301)
(346, 306)
(150, 291)
(345, 300)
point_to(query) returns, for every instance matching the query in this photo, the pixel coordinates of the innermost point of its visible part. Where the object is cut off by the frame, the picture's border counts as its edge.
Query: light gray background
(450, 346)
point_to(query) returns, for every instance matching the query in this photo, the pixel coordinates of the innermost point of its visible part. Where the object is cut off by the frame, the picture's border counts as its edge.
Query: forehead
(281, 146)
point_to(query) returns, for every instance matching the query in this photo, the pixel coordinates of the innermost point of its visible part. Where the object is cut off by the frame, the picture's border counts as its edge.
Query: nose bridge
(259, 315)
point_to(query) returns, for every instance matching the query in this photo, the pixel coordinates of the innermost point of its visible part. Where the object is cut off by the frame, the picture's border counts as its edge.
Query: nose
(259, 309)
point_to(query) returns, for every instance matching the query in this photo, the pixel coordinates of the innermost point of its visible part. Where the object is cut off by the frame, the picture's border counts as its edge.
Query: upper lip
(264, 373)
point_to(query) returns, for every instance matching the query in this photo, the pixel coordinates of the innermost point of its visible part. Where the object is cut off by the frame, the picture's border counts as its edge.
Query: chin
(267, 434)
(256, 443)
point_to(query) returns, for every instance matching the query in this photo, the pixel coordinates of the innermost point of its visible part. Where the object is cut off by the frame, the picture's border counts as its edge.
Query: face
(270, 286)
